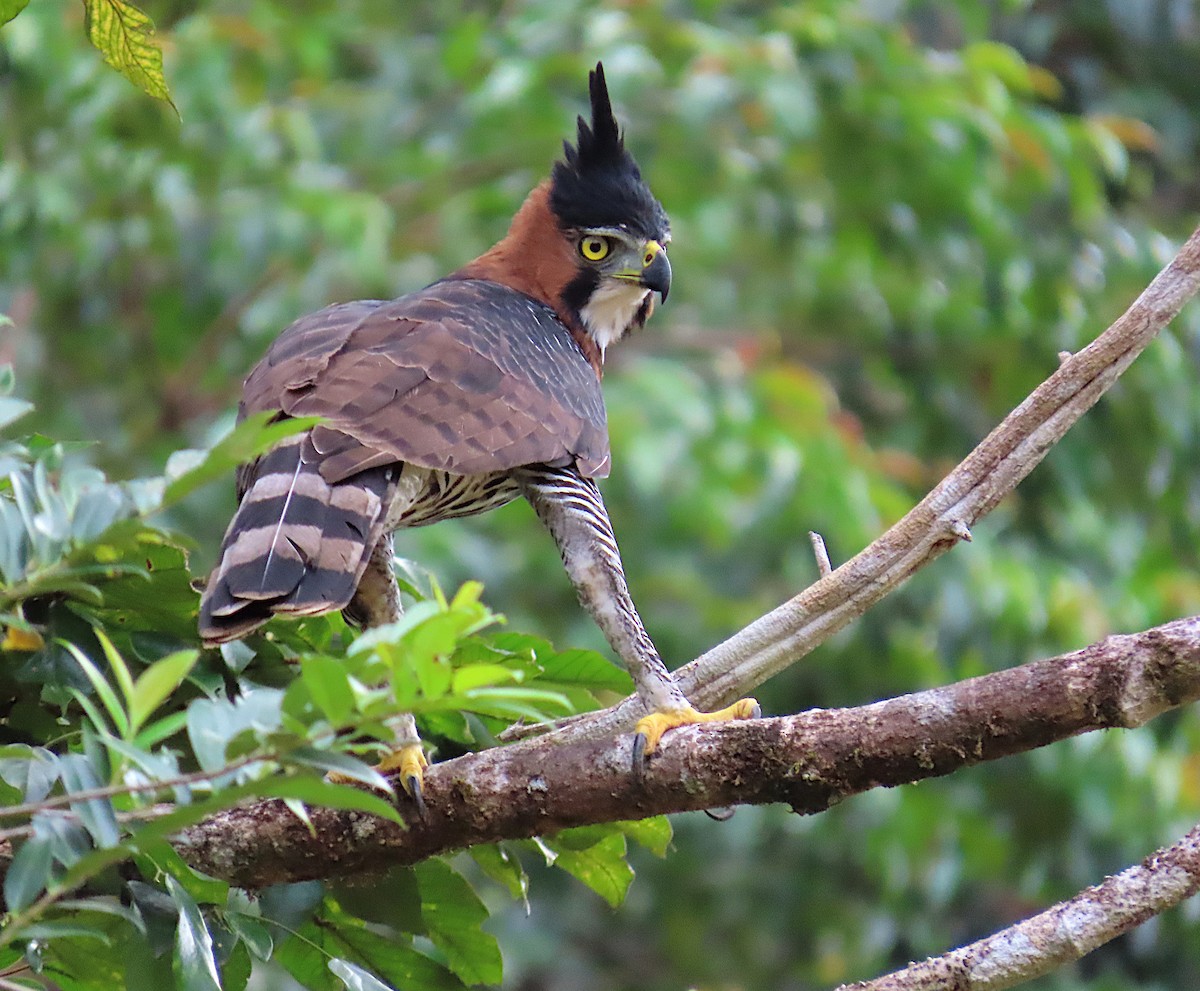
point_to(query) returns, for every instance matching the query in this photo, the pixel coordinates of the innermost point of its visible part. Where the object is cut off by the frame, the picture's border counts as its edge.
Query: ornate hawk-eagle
(453, 400)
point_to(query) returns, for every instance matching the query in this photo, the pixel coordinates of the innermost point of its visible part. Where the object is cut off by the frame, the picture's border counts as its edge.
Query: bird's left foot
(410, 761)
(650, 728)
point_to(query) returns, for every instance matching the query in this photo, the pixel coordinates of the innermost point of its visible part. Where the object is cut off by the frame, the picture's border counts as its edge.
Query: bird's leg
(376, 602)
(572, 509)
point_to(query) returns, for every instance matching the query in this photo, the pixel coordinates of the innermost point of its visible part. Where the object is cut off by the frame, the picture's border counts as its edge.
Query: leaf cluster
(120, 729)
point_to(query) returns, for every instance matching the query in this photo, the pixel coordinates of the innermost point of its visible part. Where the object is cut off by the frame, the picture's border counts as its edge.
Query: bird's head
(616, 228)
(591, 241)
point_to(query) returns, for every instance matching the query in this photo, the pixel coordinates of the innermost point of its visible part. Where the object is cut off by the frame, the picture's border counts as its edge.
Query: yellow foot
(650, 728)
(411, 762)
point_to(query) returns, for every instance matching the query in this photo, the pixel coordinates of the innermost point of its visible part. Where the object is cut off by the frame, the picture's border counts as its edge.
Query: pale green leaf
(10, 408)
(329, 687)
(124, 35)
(355, 978)
(654, 834)
(252, 437)
(157, 682)
(8, 10)
(601, 866)
(103, 689)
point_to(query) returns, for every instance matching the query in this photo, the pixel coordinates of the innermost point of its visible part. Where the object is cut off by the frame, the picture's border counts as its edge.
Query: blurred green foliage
(888, 220)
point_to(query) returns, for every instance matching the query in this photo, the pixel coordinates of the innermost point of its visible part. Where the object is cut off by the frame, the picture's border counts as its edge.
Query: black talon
(639, 756)
(414, 790)
(723, 814)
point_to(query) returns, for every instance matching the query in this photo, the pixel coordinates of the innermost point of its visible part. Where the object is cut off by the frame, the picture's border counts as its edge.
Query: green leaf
(193, 943)
(235, 969)
(103, 689)
(11, 408)
(252, 437)
(31, 770)
(504, 867)
(251, 931)
(29, 873)
(355, 978)
(8, 10)
(476, 676)
(329, 686)
(125, 37)
(454, 915)
(96, 813)
(337, 935)
(213, 723)
(601, 866)
(157, 682)
(318, 791)
(117, 665)
(654, 834)
(339, 763)
(59, 930)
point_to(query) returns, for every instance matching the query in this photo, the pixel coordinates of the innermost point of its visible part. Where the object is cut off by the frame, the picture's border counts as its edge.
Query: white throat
(611, 310)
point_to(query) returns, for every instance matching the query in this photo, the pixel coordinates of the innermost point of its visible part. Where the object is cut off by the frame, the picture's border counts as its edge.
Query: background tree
(888, 222)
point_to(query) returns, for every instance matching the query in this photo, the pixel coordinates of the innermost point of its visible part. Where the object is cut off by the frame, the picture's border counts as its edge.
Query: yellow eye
(594, 248)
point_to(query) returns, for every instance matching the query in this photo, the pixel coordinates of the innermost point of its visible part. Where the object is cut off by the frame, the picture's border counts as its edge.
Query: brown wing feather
(464, 376)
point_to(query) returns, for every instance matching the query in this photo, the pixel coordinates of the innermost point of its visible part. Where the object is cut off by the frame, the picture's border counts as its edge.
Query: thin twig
(821, 553)
(111, 791)
(1059, 935)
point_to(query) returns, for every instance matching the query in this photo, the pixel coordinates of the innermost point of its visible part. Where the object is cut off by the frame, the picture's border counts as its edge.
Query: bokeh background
(889, 218)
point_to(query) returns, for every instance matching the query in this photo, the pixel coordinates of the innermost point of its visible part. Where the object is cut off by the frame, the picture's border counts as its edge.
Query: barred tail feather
(297, 545)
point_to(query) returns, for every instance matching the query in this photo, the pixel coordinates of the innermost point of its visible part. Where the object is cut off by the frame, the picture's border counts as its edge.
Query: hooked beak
(656, 270)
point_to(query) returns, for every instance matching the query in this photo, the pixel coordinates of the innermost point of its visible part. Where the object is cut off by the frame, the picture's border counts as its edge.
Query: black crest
(598, 184)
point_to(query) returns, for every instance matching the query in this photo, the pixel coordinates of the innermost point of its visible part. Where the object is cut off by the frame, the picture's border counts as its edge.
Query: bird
(479, 389)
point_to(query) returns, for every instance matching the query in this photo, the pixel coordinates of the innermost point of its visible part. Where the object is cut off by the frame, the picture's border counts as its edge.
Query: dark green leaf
(251, 931)
(235, 969)
(193, 943)
(454, 915)
(96, 813)
(65, 930)
(29, 873)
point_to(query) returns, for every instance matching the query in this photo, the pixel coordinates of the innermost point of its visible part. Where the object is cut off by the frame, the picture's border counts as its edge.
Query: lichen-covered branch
(1059, 935)
(808, 761)
(941, 520)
